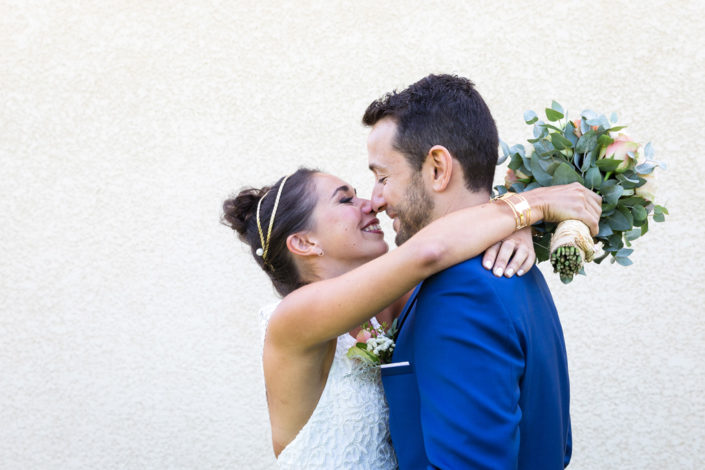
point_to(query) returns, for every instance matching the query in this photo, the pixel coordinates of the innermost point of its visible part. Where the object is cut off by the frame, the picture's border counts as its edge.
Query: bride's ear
(302, 244)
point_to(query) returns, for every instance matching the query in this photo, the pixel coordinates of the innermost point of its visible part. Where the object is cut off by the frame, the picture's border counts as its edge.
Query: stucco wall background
(129, 335)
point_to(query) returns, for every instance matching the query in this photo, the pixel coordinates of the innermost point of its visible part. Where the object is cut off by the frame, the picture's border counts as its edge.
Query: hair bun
(239, 210)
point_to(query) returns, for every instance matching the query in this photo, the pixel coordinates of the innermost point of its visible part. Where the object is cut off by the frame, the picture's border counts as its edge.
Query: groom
(479, 377)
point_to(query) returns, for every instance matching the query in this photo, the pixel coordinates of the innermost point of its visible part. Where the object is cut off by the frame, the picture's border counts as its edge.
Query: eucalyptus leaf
(660, 210)
(515, 162)
(633, 234)
(539, 130)
(649, 151)
(645, 228)
(648, 166)
(540, 175)
(604, 123)
(553, 128)
(586, 142)
(588, 114)
(607, 164)
(558, 140)
(505, 148)
(593, 178)
(517, 187)
(633, 201)
(553, 115)
(500, 190)
(615, 242)
(623, 261)
(577, 160)
(625, 252)
(569, 134)
(616, 128)
(605, 229)
(556, 106)
(518, 148)
(612, 193)
(613, 117)
(543, 148)
(604, 140)
(639, 214)
(542, 242)
(618, 222)
(628, 182)
(588, 161)
(584, 126)
(565, 174)
(627, 213)
(530, 117)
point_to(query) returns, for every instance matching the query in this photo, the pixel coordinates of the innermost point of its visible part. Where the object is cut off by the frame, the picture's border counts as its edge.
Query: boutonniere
(374, 345)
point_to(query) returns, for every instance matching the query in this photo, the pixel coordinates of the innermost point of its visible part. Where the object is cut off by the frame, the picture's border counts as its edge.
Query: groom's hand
(513, 255)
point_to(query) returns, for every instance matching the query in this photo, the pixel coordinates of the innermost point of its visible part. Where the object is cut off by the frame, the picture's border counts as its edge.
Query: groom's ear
(440, 167)
(301, 244)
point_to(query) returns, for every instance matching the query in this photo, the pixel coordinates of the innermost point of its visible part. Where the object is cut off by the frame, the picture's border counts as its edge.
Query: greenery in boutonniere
(374, 345)
(590, 151)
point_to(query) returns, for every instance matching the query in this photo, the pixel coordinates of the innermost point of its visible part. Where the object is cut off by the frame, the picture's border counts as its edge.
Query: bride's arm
(323, 310)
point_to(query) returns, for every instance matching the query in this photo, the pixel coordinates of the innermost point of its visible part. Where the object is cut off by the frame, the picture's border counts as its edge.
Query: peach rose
(363, 336)
(513, 176)
(619, 150)
(648, 189)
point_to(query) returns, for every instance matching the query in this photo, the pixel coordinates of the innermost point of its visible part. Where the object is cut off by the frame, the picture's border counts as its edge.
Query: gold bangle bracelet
(520, 209)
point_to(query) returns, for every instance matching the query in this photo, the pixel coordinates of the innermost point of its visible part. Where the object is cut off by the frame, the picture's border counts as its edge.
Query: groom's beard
(415, 212)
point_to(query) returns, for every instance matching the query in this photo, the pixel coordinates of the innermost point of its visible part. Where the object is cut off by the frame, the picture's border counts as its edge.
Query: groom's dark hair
(442, 110)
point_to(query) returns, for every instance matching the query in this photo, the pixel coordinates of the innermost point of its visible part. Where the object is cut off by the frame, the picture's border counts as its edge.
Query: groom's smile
(398, 188)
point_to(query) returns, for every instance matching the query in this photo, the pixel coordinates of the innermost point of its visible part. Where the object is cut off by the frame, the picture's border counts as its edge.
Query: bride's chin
(382, 249)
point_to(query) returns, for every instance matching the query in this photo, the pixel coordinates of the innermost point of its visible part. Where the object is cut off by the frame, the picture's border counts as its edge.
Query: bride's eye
(346, 200)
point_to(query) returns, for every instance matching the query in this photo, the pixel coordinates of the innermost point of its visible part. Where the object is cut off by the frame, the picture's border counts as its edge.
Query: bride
(324, 251)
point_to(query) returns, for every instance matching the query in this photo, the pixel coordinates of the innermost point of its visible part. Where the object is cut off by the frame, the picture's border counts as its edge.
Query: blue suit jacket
(487, 381)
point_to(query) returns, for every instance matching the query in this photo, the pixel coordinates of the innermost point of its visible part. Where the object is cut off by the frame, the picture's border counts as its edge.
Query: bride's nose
(366, 206)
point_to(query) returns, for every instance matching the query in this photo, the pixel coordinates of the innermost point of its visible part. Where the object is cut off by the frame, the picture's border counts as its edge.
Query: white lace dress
(349, 428)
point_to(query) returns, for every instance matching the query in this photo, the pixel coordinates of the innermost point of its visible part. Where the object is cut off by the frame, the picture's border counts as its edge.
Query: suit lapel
(407, 308)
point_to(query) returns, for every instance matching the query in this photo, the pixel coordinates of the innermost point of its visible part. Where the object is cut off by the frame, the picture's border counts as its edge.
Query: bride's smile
(345, 227)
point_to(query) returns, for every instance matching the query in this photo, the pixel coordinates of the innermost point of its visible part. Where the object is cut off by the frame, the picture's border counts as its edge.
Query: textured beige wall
(128, 327)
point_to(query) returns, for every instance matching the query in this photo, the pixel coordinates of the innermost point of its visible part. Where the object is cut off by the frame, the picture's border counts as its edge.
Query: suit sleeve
(469, 362)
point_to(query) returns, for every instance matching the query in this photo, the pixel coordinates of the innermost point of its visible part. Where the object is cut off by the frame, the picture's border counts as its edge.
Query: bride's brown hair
(297, 199)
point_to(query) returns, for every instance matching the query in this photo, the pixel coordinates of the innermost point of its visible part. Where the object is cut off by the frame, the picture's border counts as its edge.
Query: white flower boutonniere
(374, 345)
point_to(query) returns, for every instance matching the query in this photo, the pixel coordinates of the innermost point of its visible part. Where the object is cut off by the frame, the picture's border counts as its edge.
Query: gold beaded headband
(262, 252)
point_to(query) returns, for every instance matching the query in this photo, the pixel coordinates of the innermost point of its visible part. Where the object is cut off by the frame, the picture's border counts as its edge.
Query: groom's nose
(377, 199)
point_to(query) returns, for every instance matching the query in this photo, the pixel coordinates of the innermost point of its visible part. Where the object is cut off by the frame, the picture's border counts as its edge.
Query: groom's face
(399, 189)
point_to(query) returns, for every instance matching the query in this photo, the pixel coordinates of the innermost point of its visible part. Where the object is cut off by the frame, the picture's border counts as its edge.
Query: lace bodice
(349, 428)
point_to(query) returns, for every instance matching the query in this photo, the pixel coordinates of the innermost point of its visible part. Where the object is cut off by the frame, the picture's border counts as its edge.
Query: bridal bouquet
(374, 345)
(588, 150)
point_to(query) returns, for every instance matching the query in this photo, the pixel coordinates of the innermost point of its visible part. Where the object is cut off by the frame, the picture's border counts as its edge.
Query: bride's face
(345, 226)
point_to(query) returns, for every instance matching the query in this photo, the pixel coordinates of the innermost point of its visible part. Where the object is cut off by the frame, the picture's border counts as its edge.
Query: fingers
(490, 256)
(518, 262)
(506, 250)
(592, 203)
(528, 263)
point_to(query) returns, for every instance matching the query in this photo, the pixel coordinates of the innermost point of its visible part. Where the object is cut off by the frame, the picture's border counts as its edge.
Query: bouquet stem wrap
(571, 247)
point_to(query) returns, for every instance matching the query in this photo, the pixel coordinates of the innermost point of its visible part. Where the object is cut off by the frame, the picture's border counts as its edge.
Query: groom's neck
(457, 200)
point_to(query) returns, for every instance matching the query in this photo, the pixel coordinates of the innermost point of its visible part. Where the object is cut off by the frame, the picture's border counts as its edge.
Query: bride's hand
(571, 201)
(513, 255)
